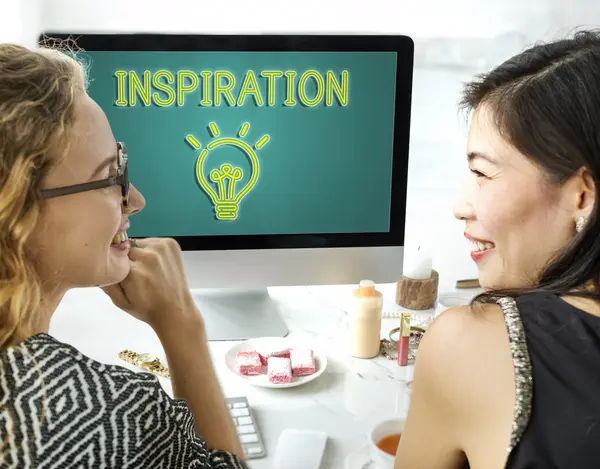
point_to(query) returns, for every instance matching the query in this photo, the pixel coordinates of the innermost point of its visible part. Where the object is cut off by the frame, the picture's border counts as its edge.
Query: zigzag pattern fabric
(62, 410)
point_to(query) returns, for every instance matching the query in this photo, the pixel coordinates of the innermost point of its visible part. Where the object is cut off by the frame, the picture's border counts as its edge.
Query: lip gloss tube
(404, 339)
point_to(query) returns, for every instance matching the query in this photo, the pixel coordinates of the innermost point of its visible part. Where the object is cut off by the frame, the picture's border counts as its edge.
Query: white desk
(344, 402)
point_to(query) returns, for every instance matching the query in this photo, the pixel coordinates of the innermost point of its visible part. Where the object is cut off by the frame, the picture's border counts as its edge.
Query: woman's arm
(430, 439)
(194, 379)
(462, 395)
(156, 292)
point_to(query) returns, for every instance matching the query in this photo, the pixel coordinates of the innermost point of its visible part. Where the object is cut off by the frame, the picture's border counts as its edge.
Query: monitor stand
(239, 314)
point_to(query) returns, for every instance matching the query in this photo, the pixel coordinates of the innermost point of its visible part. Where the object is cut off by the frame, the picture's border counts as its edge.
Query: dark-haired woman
(513, 381)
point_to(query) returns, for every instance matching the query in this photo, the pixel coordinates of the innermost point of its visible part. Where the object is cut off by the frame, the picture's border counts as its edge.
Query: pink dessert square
(303, 362)
(279, 370)
(280, 353)
(249, 363)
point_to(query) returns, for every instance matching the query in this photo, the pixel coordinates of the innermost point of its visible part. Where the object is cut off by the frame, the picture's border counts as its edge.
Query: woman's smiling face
(515, 218)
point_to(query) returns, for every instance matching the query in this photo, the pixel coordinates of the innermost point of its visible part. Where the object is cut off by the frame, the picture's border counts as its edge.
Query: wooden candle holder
(417, 294)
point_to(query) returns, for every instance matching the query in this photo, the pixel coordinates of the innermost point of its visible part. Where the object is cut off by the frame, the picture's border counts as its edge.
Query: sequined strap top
(556, 355)
(62, 410)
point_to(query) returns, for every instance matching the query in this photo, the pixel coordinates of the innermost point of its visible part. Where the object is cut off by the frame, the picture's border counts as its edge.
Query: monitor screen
(252, 143)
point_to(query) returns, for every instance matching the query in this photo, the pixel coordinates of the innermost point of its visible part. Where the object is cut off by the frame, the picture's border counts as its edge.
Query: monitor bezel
(402, 45)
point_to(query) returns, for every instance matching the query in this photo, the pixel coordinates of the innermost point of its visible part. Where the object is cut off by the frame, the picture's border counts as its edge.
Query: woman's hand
(156, 290)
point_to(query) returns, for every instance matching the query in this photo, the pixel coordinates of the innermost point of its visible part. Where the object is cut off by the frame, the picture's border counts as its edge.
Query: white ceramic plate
(268, 343)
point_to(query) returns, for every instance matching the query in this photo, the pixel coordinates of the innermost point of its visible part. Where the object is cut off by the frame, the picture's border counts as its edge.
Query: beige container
(364, 320)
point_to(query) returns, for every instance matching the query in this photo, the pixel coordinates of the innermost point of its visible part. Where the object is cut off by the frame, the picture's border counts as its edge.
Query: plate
(360, 459)
(268, 343)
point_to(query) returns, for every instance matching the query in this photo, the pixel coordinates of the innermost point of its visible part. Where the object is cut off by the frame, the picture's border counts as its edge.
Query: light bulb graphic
(222, 186)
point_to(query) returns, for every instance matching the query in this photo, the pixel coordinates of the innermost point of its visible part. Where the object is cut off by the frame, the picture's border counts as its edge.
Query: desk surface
(344, 402)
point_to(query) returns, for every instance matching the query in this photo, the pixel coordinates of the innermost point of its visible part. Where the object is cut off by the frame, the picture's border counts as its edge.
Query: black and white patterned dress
(60, 409)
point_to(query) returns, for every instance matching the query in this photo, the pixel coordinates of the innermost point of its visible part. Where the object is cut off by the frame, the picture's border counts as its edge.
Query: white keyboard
(246, 427)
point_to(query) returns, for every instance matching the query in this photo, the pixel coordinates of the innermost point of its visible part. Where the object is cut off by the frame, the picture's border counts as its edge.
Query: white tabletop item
(299, 449)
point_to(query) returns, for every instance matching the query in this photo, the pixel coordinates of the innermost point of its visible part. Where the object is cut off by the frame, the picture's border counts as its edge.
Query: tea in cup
(384, 438)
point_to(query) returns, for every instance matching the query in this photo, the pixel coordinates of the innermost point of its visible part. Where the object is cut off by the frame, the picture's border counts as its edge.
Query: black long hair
(546, 103)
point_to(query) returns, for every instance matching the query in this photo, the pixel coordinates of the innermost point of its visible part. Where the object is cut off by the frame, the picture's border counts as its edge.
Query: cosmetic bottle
(404, 340)
(365, 320)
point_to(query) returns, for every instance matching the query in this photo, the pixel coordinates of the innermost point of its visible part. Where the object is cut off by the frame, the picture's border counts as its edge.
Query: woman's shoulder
(458, 332)
(40, 354)
(467, 350)
(481, 323)
(463, 327)
(42, 363)
(48, 356)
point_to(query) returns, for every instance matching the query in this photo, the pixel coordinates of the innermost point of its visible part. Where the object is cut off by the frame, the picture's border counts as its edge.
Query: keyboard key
(253, 450)
(244, 421)
(243, 429)
(240, 412)
(251, 438)
(239, 405)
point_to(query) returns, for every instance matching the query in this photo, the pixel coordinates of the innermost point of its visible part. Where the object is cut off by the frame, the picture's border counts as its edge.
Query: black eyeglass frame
(121, 179)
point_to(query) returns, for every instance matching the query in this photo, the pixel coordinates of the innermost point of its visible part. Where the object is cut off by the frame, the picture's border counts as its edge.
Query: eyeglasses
(122, 179)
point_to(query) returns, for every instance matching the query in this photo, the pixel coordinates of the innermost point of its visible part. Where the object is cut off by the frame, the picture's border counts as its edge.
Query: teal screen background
(324, 169)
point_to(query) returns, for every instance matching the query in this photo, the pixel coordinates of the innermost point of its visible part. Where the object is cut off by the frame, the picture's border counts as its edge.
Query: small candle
(417, 263)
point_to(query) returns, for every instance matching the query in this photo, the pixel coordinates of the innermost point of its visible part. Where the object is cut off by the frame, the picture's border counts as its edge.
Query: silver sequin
(522, 365)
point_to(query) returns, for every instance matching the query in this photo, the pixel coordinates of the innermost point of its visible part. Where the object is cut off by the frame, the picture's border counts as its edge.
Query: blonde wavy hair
(38, 89)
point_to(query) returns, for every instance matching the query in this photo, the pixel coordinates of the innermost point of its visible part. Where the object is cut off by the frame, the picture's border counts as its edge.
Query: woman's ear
(585, 188)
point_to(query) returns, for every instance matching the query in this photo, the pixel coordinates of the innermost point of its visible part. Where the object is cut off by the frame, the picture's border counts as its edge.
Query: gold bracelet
(145, 361)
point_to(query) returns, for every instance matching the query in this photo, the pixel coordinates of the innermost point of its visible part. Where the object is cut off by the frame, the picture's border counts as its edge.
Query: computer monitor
(272, 159)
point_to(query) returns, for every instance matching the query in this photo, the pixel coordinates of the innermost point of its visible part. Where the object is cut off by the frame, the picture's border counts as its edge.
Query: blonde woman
(65, 204)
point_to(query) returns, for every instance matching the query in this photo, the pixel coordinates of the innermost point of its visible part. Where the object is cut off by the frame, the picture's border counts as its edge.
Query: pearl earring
(580, 224)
